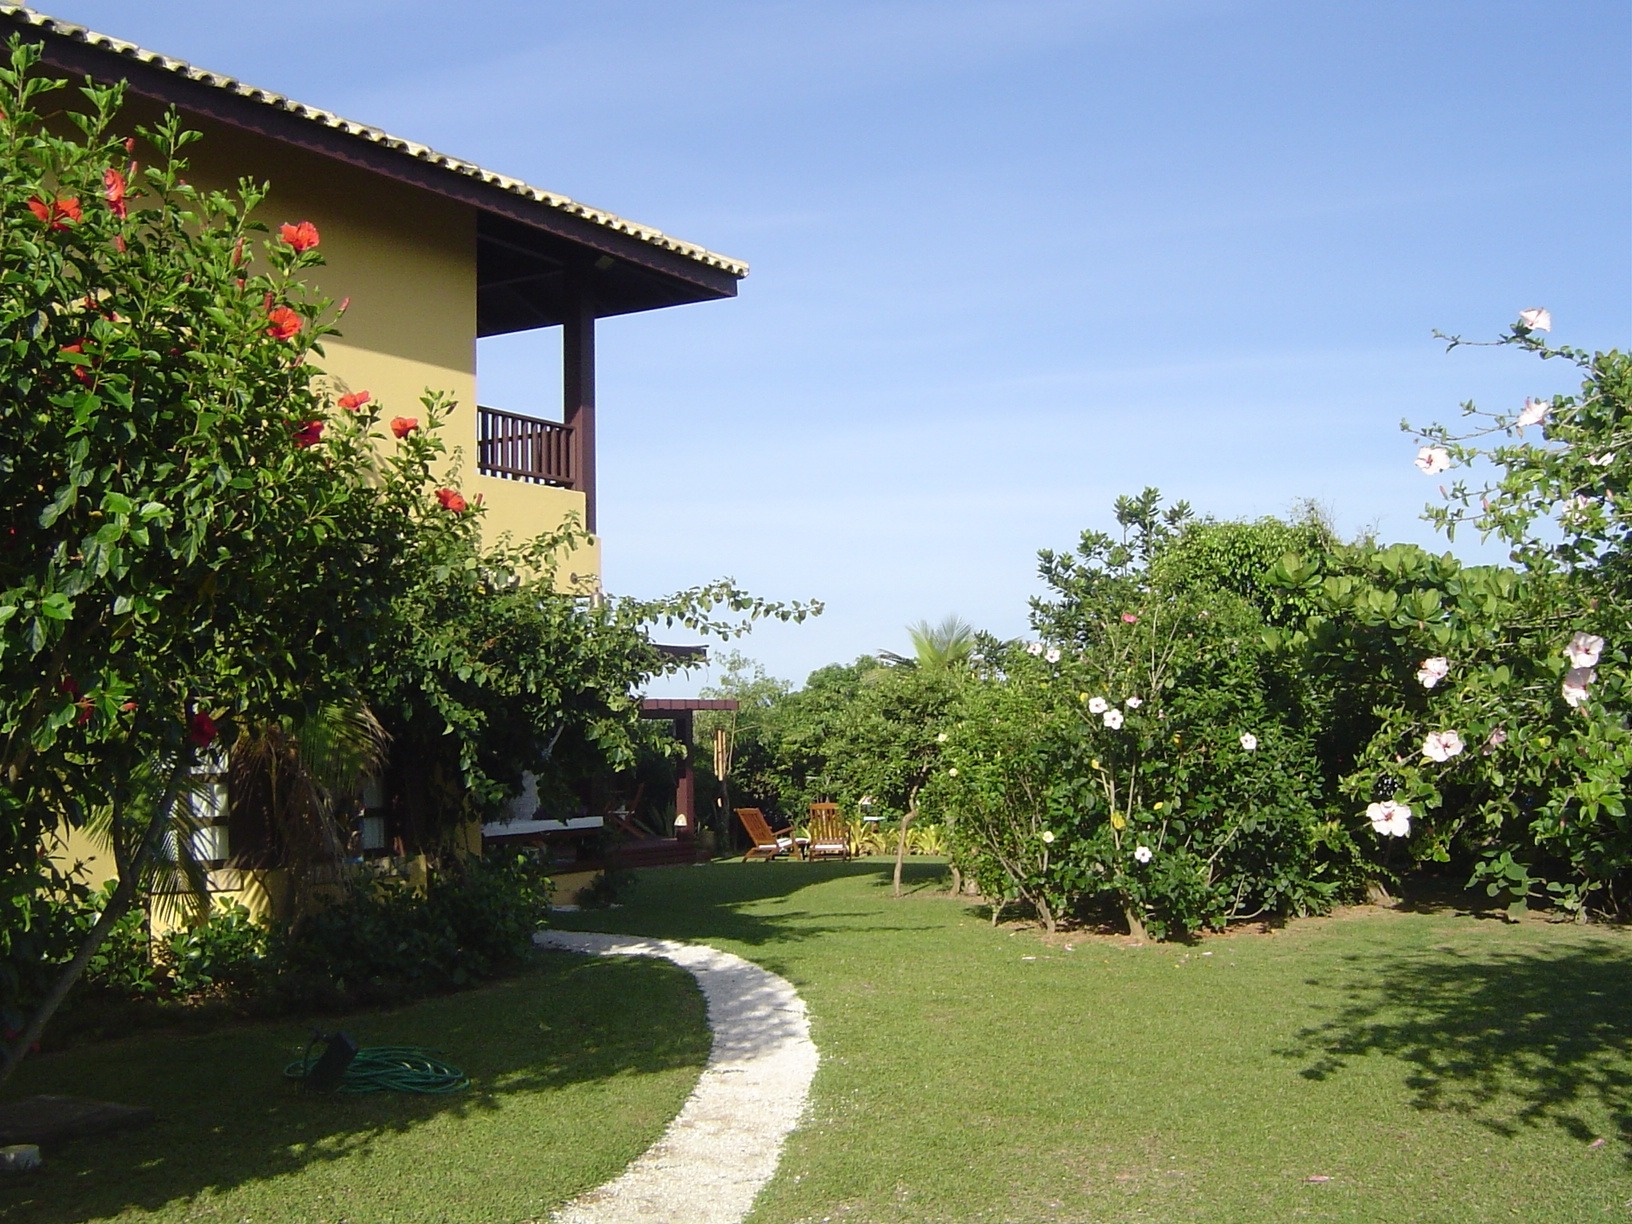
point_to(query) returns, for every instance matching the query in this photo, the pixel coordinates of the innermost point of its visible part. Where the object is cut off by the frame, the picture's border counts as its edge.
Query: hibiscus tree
(178, 499)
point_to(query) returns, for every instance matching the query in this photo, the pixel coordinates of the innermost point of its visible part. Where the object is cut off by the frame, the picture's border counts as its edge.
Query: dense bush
(1151, 751)
(1162, 769)
(476, 920)
(380, 941)
(227, 951)
(1484, 708)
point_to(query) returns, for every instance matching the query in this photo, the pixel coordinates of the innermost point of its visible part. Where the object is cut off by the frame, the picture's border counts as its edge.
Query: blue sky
(1010, 259)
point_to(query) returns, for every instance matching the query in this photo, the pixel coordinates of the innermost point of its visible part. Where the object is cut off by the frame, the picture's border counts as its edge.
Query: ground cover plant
(1431, 1064)
(576, 1068)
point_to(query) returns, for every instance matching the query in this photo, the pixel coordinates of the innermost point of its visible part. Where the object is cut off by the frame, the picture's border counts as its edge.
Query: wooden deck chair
(767, 845)
(622, 817)
(828, 836)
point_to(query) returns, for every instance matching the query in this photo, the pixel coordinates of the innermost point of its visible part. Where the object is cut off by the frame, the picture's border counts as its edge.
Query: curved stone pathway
(727, 1139)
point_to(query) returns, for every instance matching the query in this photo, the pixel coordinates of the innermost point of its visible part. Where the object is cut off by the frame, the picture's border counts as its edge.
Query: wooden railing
(524, 448)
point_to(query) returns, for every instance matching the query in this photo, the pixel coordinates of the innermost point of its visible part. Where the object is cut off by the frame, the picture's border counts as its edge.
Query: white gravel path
(727, 1139)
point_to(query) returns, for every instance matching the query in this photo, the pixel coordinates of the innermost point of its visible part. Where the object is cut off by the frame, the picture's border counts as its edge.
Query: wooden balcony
(525, 448)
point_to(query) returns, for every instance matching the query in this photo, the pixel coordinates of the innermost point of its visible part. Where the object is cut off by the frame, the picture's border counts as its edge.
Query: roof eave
(70, 49)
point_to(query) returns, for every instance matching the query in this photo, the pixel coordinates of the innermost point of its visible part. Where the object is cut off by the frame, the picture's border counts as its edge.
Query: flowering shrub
(1487, 705)
(178, 498)
(1153, 759)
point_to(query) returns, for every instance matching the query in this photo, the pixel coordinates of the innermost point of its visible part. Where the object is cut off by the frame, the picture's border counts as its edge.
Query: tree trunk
(1377, 894)
(1047, 916)
(1135, 921)
(901, 841)
(957, 879)
(124, 896)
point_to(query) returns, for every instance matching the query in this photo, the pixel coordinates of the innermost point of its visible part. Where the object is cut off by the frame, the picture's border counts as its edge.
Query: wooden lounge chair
(767, 845)
(828, 836)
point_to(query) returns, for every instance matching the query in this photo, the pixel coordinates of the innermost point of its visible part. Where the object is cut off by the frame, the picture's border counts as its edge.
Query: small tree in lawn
(192, 532)
(889, 744)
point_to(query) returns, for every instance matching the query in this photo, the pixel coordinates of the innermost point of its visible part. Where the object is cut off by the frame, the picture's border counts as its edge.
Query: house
(433, 254)
(476, 253)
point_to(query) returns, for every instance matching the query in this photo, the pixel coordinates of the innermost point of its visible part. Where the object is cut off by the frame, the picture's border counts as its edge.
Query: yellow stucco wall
(71, 846)
(406, 260)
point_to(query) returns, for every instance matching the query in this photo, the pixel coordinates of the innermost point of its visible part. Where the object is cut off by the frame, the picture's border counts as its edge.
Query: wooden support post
(685, 787)
(578, 393)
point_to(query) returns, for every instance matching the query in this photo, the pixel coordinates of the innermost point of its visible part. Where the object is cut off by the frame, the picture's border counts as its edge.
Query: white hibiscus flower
(1433, 671)
(1584, 649)
(1432, 460)
(1441, 745)
(1390, 819)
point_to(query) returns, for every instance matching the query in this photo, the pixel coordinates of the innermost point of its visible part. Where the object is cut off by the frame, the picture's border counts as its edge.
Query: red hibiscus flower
(302, 237)
(451, 500)
(202, 730)
(282, 323)
(403, 426)
(353, 401)
(113, 184)
(309, 434)
(58, 214)
(80, 372)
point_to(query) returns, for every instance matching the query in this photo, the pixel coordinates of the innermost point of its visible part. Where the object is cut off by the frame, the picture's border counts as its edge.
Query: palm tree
(293, 790)
(936, 647)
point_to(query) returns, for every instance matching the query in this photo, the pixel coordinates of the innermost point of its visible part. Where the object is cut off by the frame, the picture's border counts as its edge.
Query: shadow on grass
(760, 909)
(758, 904)
(227, 1119)
(1513, 1039)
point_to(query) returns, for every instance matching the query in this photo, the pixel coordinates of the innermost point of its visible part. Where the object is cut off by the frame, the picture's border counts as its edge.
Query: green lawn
(571, 1082)
(1433, 1066)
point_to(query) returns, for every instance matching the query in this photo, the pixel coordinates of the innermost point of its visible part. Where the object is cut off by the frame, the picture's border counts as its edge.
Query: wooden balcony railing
(525, 448)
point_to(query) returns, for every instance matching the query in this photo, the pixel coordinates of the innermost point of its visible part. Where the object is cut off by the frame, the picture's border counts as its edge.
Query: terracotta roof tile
(21, 15)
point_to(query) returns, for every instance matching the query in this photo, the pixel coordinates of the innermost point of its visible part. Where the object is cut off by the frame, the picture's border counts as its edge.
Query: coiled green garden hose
(390, 1069)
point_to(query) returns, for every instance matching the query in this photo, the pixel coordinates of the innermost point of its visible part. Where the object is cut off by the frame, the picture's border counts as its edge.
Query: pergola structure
(680, 711)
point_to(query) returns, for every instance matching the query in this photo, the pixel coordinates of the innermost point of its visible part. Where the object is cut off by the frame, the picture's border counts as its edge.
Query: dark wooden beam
(578, 390)
(667, 707)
